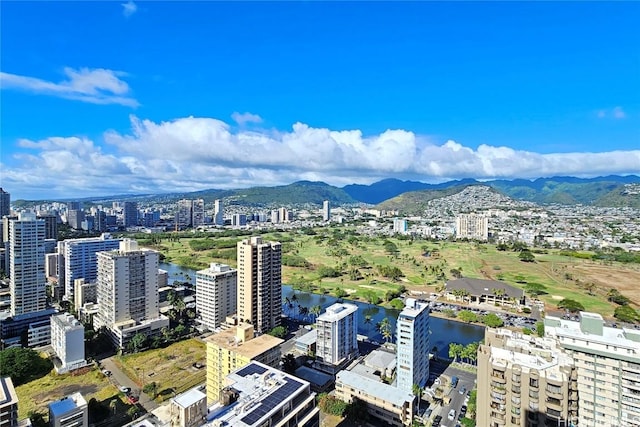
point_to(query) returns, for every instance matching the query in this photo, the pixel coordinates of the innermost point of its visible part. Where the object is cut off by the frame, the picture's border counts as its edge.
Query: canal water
(443, 331)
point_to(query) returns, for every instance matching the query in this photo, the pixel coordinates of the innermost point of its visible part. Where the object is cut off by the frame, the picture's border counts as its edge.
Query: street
(120, 379)
(466, 380)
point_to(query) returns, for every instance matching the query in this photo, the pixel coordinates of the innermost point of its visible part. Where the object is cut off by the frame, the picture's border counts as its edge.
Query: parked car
(463, 390)
(124, 389)
(452, 415)
(106, 372)
(436, 421)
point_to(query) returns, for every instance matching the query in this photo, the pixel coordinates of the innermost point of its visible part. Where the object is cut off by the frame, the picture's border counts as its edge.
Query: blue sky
(116, 97)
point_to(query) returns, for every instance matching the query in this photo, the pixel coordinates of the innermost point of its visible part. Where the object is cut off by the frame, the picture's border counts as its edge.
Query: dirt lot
(626, 279)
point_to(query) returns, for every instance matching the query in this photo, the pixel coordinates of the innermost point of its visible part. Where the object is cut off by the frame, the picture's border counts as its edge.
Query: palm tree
(417, 391)
(455, 350)
(315, 311)
(384, 327)
(113, 405)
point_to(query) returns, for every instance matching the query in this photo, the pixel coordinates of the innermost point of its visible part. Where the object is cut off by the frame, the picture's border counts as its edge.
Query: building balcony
(555, 393)
(554, 404)
(515, 421)
(516, 379)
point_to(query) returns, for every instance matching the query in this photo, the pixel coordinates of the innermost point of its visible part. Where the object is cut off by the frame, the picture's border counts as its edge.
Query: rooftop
(250, 349)
(262, 392)
(483, 287)
(189, 398)
(67, 404)
(622, 338)
(413, 307)
(374, 388)
(308, 338)
(7, 392)
(337, 311)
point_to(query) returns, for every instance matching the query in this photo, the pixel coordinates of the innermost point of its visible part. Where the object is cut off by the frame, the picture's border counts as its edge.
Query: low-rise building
(234, 348)
(383, 401)
(70, 411)
(67, 340)
(189, 409)
(260, 395)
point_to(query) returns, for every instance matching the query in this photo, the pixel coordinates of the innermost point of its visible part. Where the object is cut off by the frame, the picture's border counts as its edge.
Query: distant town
(475, 309)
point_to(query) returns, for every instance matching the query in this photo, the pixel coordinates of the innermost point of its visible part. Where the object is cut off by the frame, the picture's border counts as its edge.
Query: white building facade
(216, 294)
(67, 340)
(412, 334)
(337, 334)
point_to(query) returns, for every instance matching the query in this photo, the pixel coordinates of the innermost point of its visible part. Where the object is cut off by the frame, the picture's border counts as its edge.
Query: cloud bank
(95, 86)
(129, 8)
(189, 154)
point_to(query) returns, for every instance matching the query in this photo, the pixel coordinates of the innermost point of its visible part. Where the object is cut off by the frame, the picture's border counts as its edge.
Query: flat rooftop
(263, 391)
(7, 392)
(337, 311)
(189, 398)
(67, 404)
(371, 387)
(250, 349)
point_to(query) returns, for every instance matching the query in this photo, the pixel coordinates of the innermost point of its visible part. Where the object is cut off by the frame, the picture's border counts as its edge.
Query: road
(119, 379)
(465, 380)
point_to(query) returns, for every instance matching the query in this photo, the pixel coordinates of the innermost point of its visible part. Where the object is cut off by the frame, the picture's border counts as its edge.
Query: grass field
(564, 277)
(170, 368)
(37, 394)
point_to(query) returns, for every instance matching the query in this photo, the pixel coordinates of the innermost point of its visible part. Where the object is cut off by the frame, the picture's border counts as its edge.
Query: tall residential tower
(413, 345)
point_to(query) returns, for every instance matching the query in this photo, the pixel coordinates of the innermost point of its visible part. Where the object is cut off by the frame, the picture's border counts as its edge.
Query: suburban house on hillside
(482, 290)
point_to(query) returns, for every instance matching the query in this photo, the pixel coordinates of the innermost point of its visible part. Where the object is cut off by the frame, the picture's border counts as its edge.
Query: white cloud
(95, 86)
(189, 154)
(244, 118)
(129, 8)
(616, 113)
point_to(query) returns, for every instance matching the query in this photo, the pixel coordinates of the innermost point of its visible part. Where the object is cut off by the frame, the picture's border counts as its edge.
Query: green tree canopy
(571, 305)
(23, 365)
(467, 316)
(492, 320)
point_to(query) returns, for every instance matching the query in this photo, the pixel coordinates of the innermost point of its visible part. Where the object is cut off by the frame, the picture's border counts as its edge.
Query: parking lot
(509, 319)
(454, 400)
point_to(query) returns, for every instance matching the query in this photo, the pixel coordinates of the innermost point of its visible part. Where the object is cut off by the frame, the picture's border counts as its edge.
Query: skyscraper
(5, 208)
(218, 212)
(197, 213)
(127, 287)
(50, 224)
(326, 211)
(27, 283)
(216, 293)
(472, 226)
(413, 345)
(130, 214)
(259, 283)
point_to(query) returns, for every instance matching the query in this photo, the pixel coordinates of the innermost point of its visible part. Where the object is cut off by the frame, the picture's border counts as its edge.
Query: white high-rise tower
(413, 345)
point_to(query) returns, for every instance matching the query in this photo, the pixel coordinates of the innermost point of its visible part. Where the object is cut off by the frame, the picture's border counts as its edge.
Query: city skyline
(271, 93)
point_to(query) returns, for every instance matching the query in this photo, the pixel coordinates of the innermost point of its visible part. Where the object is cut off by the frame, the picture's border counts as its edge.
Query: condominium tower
(27, 283)
(259, 283)
(78, 259)
(127, 288)
(5, 208)
(525, 381)
(472, 226)
(326, 211)
(216, 294)
(608, 364)
(130, 214)
(337, 329)
(412, 334)
(218, 212)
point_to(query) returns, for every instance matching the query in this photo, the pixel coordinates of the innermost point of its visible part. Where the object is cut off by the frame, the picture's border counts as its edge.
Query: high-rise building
(50, 224)
(412, 335)
(259, 283)
(326, 211)
(67, 340)
(77, 259)
(400, 225)
(197, 213)
(239, 220)
(8, 403)
(127, 288)
(183, 213)
(218, 212)
(234, 348)
(216, 294)
(337, 342)
(27, 283)
(70, 411)
(472, 226)
(607, 361)
(525, 381)
(130, 214)
(5, 208)
(75, 218)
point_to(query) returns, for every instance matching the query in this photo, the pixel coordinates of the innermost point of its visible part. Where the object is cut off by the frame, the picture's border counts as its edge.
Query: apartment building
(607, 361)
(189, 409)
(259, 283)
(258, 395)
(127, 288)
(8, 402)
(67, 341)
(234, 348)
(525, 381)
(326, 211)
(216, 294)
(337, 330)
(218, 212)
(77, 259)
(472, 226)
(412, 334)
(27, 283)
(70, 411)
(385, 402)
(130, 214)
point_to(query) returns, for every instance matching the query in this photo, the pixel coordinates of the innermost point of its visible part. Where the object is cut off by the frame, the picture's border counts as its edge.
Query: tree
(526, 256)
(132, 412)
(341, 293)
(113, 405)
(315, 311)
(455, 350)
(279, 332)
(384, 327)
(492, 320)
(540, 329)
(624, 313)
(449, 312)
(151, 389)
(417, 392)
(37, 419)
(23, 365)
(613, 295)
(535, 289)
(467, 316)
(137, 342)
(289, 363)
(570, 305)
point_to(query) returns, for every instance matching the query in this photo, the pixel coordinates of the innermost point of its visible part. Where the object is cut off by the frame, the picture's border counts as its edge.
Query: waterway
(443, 331)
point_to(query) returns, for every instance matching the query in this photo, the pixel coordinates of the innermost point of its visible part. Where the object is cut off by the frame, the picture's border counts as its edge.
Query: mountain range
(613, 191)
